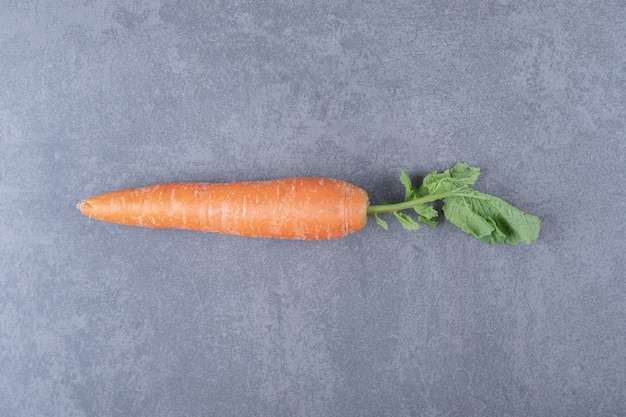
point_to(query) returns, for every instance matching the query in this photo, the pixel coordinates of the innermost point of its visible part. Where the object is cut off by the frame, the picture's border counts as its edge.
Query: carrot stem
(405, 205)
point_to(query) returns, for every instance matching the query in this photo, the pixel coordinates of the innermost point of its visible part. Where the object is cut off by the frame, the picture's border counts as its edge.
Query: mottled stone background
(105, 320)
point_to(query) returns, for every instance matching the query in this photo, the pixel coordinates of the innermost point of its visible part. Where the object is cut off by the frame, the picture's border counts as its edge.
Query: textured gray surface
(104, 320)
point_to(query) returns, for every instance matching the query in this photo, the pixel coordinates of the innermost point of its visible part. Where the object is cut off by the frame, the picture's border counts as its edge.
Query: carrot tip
(83, 205)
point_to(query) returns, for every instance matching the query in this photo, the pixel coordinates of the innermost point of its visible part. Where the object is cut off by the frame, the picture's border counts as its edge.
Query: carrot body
(291, 208)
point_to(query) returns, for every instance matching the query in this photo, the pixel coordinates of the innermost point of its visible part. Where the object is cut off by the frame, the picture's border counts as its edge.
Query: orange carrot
(315, 208)
(291, 208)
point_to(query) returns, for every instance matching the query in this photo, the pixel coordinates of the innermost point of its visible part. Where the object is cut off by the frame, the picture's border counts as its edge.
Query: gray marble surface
(105, 320)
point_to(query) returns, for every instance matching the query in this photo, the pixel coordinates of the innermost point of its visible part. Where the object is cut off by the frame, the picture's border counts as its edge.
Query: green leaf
(407, 222)
(427, 214)
(487, 218)
(408, 186)
(459, 176)
(490, 219)
(381, 222)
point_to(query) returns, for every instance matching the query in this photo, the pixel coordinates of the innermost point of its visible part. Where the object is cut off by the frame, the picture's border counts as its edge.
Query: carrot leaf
(408, 186)
(407, 222)
(483, 216)
(490, 219)
(460, 175)
(381, 222)
(427, 215)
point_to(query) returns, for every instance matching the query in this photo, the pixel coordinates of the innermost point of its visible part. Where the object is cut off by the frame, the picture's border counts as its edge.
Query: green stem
(404, 205)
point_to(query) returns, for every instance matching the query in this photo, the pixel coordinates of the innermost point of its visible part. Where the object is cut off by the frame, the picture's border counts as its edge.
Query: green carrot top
(487, 218)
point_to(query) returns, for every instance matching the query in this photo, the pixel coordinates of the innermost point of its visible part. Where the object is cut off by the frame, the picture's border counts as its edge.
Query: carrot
(291, 208)
(315, 208)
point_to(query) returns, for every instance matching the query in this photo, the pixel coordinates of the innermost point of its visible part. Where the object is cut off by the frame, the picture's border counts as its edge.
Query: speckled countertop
(104, 320)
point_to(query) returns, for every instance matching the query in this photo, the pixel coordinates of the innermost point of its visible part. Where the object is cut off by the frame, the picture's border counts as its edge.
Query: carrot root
(291, 208)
